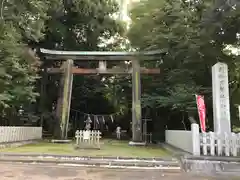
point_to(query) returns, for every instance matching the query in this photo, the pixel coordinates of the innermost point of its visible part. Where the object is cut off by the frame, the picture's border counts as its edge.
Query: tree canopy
(195, 35)
(21, 22)
(67, 25)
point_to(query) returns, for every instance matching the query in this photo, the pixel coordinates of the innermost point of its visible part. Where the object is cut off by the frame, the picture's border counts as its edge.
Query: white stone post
(220, 92)
(195, 139)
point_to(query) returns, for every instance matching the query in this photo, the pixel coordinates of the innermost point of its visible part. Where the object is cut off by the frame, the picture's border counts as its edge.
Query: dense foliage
(194, 35)
(65, 25)
(86, 26)
(21, 22)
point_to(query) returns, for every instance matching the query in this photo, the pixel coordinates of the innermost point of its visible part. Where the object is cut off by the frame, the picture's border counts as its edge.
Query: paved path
(13, 171)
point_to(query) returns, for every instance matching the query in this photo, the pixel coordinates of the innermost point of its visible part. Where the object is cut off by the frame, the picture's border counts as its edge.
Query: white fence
(87, 138)
(18, 133)
(220, 144)
(205, 143)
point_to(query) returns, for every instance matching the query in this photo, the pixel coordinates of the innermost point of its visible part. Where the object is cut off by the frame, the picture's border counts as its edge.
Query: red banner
(201, 112)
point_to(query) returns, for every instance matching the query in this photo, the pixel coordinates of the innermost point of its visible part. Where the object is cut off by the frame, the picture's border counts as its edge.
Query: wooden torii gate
(68, 70)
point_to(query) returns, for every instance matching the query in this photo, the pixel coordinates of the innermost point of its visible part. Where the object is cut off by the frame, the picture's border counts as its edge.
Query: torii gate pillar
(136, 103)
(66, 99)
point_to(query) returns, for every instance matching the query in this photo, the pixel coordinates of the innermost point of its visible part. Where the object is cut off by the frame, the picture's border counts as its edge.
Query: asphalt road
(13, 171)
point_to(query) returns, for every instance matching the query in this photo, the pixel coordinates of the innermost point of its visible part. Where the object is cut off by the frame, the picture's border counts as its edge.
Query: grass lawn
(108, 148)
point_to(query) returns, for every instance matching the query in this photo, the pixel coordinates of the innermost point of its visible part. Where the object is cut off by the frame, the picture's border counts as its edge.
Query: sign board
(220, 90)
(86, 135)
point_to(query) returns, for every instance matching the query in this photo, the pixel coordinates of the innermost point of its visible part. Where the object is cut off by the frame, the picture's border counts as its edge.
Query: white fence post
(195, 139)
(227, 144)
(212, 143)
(219, 144)
(234, 148)
(204, 143)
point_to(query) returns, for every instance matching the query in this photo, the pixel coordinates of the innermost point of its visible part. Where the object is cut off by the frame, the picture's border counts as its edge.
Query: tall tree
(81, 25)
(194, 34)
(21, 22)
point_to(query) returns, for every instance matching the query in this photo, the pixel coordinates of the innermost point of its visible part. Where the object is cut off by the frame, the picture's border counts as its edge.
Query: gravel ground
(14, 171)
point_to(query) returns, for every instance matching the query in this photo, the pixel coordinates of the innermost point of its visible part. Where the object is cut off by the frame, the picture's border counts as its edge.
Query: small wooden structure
(88, 139)
(147, 136)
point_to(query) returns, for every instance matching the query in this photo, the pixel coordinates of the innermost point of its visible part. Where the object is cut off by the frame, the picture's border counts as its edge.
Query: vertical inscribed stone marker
(220, 90)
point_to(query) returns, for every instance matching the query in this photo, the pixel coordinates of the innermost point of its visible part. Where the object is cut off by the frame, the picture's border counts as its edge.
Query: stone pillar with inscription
(220, 90)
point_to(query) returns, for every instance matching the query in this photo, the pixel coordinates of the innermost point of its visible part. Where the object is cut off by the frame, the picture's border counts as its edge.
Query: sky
(125, 6)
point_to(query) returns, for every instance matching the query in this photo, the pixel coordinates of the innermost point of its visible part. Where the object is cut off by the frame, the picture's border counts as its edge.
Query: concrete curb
(9, 154)
(79, 161)
(213, 158)
(163, 169)
(90, 161)
(68, 165)
(211, 165)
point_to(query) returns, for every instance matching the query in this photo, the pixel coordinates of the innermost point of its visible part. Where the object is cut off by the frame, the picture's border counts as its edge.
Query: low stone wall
(180, 139)
(211, 165)
(11, 134)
